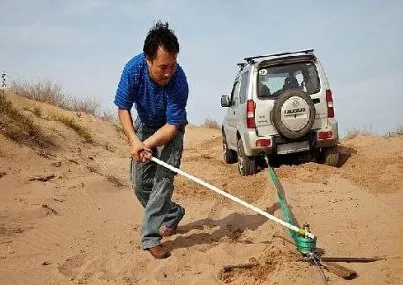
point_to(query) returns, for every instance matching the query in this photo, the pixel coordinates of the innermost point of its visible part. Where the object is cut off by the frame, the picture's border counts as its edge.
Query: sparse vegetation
(44, 91)
(109, 116)
(19, 128)
(71, 123)
(52, 93)
(37, 111)
(118, 128)
(396, 133)
(210, 123)
(109, 147)
(357, 132)
(89, 106)
(115, 181)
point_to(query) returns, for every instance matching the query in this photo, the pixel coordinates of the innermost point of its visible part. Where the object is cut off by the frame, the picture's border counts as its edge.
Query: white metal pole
(233, 198)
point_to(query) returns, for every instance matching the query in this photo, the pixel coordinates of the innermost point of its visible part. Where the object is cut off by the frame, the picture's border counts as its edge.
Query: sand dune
(68, 215)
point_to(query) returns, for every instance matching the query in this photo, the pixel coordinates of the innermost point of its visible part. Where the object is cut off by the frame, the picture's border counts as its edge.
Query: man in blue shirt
(157, 86)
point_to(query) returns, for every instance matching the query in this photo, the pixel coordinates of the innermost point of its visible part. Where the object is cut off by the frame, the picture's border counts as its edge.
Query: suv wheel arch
(229, 155)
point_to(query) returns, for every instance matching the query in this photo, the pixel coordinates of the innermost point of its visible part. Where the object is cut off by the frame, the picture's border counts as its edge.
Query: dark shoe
(159, 252)
(167, 232)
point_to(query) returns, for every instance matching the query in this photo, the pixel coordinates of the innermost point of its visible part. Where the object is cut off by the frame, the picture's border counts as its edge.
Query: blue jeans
(153, 186)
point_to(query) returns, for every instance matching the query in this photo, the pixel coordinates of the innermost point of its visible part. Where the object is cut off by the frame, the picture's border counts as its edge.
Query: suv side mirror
(225, 102)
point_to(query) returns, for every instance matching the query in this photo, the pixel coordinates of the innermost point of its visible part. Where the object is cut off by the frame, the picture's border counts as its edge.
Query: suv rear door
(273, 79)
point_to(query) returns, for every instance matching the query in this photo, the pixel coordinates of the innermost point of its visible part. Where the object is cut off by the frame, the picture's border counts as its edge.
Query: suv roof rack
(251, 59)
(241, 65)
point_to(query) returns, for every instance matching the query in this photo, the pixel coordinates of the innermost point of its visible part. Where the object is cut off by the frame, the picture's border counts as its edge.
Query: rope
(302, 232)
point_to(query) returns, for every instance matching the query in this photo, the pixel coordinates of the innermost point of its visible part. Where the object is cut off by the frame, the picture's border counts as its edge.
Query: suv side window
(244, 87)
(235, 94)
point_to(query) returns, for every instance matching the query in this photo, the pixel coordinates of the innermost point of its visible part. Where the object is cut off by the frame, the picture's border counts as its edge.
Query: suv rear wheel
(229, 155)
(246, 164)
(330, 156)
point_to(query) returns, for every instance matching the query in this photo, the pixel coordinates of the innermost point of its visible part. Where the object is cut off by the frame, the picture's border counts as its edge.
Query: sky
(84, 44)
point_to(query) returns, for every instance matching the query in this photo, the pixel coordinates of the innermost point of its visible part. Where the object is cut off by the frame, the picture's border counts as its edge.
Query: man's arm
(139, 150)
(126, 121)
(162, 136)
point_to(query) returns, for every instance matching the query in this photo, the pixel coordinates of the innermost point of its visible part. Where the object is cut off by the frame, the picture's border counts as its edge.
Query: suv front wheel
(246, 164)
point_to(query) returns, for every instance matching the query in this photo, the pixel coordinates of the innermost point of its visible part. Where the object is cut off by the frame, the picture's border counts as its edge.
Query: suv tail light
(263, 142)
(250, 114)
(329, 103)
(325, 135)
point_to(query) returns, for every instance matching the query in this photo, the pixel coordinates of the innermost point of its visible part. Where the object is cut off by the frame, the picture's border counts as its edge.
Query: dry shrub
(109, 116)
(396, 133)
(87, 105)
(52, 93)
(210, 123)
(357, 132)
(43, 91)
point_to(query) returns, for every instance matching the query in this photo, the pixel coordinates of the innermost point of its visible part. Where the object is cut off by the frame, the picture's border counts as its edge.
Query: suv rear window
(274, 80)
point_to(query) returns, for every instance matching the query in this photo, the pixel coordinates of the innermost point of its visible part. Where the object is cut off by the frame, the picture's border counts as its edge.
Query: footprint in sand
(81, 268)
(71, 267)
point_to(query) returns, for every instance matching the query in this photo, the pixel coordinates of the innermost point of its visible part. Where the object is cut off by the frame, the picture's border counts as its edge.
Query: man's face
(162, 67)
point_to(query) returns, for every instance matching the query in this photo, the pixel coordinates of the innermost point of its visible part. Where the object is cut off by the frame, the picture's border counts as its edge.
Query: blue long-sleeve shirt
(155, 104)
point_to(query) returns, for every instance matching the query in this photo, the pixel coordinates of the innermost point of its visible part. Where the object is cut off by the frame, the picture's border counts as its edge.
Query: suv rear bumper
(330, 134)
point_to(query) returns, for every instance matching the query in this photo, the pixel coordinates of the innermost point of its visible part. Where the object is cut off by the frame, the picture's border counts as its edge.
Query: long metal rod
(233, 198)
(352, 259)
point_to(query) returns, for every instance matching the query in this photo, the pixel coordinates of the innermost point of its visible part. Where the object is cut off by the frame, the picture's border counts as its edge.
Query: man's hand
(139, 151)
(145, 156)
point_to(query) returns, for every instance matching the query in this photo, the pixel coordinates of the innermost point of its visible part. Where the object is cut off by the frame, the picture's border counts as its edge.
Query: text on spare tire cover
(293, 111)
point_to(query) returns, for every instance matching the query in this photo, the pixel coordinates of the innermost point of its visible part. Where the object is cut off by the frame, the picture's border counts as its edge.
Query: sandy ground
(82, 225)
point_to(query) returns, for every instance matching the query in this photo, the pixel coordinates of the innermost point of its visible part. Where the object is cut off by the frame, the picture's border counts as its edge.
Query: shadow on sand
(231, 226)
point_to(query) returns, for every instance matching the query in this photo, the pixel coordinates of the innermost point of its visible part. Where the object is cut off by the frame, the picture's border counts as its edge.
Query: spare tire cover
(293, 114)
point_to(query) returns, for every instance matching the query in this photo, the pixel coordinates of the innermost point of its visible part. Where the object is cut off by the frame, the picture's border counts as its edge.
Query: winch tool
(305, 244)
(302, 233)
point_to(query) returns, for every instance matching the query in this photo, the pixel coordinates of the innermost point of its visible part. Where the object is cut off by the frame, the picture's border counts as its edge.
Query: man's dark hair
(160, 36)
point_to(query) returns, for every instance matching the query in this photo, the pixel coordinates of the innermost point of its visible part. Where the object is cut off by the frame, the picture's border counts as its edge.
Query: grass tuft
(19, 128)
(37, 111)
(75, 126)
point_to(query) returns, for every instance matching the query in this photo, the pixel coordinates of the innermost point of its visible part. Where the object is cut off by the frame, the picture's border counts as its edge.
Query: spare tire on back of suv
(293, 114)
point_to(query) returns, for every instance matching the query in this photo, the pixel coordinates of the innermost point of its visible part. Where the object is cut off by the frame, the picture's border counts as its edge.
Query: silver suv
(279, 104)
